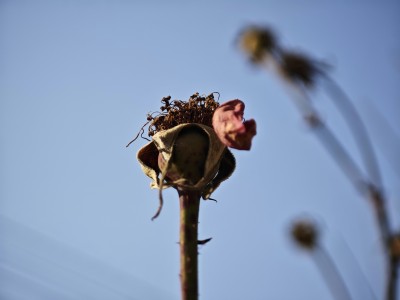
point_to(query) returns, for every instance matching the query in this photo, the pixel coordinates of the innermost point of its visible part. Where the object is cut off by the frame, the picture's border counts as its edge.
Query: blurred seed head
(305, 234)
(298, 68)
(257, 42)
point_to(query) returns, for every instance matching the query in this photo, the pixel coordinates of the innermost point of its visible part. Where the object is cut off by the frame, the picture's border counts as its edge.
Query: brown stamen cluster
(197, 109)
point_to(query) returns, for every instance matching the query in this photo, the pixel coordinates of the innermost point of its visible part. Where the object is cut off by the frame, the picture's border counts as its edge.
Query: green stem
(189, 216)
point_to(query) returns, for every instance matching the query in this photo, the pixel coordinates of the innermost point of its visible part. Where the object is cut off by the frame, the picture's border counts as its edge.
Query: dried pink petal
(229, 126)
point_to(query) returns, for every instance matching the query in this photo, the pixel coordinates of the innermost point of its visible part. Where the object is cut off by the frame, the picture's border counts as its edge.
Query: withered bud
(257, 42)
(305, 234)
(188, 159)
(188, 156)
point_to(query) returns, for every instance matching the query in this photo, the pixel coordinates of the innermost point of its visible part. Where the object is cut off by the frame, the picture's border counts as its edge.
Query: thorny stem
(189, 215)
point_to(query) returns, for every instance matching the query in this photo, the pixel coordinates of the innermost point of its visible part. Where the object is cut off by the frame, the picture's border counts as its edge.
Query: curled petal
(230, 128)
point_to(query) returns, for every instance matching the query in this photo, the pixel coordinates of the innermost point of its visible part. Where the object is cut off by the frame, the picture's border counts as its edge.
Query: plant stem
(378, 200)
(391, 290)
(331, 274)
(189, 216)
(357, 128)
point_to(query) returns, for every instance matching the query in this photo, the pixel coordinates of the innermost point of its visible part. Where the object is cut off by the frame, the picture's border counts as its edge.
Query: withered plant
(302, 73)
(188, 152)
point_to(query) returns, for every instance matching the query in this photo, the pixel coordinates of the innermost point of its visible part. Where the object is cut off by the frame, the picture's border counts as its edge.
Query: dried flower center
(197, 109)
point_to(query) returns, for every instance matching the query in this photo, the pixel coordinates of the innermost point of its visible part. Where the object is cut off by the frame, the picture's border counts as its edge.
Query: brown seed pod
(257, 42)
(197, 109)
(305, 233)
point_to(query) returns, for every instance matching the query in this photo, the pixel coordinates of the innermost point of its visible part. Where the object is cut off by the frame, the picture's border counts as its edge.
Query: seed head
(198, 109)
(305, 234)
(257, 42)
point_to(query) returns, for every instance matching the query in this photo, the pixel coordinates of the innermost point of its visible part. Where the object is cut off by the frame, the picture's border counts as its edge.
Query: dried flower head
(257, 42)
(305, 233)
(198, 109)
(297, 67)
(188, 150)
(187, 156)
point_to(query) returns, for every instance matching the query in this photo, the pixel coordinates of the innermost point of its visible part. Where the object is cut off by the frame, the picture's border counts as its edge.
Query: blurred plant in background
(306, 235)
(302, 74)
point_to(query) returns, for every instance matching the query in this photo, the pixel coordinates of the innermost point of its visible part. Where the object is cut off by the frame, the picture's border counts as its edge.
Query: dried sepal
(225, 170)
(148, 160)
(187, 163)
(164, 144)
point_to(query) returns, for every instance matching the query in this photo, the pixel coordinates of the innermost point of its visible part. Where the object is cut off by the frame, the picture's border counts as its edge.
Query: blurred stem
(393, 276)
(363, 141)
(340, 155)
(368, 189)
(189, 216)
(328, 139)
(357, 128)
(331, 274)
(387, 239)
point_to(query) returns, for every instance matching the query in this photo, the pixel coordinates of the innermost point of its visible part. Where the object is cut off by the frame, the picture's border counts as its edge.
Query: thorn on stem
(212, 199)
(203, 242)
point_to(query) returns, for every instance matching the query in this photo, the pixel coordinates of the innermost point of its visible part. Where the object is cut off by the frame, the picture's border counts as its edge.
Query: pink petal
(229, 126)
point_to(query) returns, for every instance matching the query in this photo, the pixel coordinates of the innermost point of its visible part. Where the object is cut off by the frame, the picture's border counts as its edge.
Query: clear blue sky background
(77, 79)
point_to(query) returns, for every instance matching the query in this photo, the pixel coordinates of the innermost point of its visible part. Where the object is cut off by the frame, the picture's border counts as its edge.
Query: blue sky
(77, 79)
